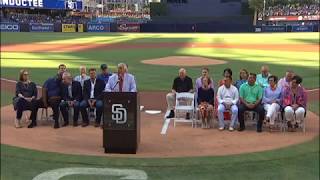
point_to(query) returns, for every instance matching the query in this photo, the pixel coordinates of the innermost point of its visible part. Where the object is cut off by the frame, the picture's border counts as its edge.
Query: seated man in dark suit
(92, 97)
(71, 92)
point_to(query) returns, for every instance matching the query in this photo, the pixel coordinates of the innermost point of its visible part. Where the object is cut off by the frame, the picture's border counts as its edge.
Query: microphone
(115, 84)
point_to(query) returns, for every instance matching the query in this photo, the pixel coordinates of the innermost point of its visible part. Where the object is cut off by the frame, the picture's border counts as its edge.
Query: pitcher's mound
(183, 61)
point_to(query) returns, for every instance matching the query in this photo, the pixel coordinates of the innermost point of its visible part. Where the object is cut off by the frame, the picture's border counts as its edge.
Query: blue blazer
(76, 91)
(98, 89)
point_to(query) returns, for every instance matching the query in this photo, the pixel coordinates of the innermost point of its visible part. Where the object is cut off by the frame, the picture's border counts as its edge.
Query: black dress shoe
(171, 115)
(65, 124)
(32, 125)
(241, 129)
(96, 124)
(259, 130)
(85, 124)
(75, 124)
(56, 126)
(188, 116)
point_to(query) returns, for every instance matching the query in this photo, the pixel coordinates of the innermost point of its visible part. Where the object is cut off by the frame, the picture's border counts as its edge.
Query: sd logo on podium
(119, 114)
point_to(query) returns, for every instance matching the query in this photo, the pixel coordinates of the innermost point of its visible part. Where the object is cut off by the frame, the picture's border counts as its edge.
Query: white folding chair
(278, 123)
(251, 117)
(302, 124)
(44, 114)
(25, 115)
(184, 105)
(70, 114)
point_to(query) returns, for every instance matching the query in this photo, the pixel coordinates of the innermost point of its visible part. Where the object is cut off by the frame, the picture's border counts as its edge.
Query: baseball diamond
(202, 78)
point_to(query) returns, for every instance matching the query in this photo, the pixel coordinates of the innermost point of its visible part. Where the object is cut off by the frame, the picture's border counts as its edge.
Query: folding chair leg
(26, 117)
(42, 113)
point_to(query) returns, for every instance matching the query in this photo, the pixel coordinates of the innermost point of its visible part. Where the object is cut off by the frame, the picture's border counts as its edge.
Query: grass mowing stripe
(248, 162)
(304, 148)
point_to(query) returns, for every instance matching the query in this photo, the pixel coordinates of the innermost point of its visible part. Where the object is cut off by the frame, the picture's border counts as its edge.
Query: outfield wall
(153, 27)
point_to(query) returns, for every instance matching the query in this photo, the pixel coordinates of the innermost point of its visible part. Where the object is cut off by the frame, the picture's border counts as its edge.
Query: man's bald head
(66, 78)
(182, 73)
(265, 70)
(122, 68)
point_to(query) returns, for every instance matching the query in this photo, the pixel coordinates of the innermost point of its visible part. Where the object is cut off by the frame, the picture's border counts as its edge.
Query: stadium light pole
(264, 8)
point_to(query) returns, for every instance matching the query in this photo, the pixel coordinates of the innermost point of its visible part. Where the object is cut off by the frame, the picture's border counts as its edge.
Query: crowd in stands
(41, 18)
(263, 93)
(291, 10)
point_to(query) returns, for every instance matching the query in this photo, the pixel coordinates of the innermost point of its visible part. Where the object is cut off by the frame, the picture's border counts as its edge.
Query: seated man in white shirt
(227, 97)
(82, 76)
(121, 81)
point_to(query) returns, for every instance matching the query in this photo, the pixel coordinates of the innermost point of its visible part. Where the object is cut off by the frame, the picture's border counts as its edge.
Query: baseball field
(154, 59)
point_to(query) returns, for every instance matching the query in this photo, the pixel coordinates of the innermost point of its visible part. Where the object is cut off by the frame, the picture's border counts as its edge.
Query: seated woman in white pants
(294, 102)
(271, 100)
(227, 97)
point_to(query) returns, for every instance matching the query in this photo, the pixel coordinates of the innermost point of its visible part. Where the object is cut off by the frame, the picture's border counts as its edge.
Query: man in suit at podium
(121, 81)
(92, 97)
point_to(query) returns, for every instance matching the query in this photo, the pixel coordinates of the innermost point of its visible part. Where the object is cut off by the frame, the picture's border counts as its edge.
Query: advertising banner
(124, 27)
(41, 27)
(273, 29)
(9, 27)
(95, 27)
(80, 28)
(68, 27)
(302, 28)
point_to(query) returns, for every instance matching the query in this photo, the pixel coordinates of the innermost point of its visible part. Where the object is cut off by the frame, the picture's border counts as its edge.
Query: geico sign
(96, 27)
(9, 27)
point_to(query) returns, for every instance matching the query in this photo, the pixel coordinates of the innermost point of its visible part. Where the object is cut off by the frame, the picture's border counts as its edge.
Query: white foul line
(165, 124)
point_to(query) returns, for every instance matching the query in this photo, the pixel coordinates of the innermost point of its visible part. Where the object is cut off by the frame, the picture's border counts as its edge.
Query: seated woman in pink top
(294, 102)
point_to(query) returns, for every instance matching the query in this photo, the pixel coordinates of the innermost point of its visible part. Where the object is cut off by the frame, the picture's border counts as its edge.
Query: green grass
(6, 98)
(295, 162)
(314, 106)
(152, 77)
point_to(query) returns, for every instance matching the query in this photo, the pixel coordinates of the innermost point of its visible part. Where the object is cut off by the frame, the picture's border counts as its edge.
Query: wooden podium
(121, 122)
